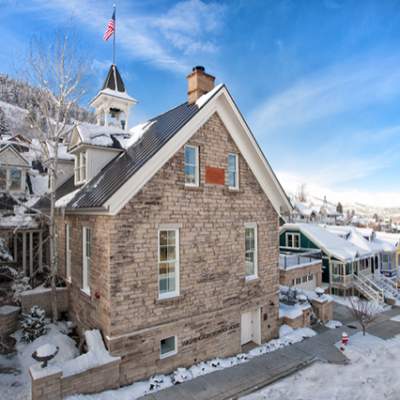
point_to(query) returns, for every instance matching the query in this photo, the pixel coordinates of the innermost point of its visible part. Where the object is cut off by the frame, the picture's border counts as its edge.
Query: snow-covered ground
(287, 336)
(15, 385)
(372, 374)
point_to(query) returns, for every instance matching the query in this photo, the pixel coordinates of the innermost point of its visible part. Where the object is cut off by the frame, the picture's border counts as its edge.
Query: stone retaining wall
(91, 372)
(42, 298)
(9, 316)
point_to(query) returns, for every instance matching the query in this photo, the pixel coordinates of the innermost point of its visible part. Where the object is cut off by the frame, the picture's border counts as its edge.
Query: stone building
(169, 231)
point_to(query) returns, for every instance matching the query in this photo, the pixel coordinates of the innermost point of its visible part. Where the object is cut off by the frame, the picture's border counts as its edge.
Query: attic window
(11, 179)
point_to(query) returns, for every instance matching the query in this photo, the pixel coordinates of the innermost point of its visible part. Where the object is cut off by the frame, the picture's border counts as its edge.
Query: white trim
(222, 104)
(85, 284)
(171, 353)
(297, 234)
(68, 252)
(197, 165)
(236, 187)
(175, 293)
(252, 225)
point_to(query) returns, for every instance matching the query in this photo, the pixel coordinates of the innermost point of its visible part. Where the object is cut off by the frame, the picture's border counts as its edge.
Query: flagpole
(115, 31)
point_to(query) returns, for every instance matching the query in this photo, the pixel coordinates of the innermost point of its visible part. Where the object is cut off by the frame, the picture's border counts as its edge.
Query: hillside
(18, 101)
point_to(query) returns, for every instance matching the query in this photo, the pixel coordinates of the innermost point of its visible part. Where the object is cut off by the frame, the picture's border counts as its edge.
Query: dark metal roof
(114, 80)
(121, 168)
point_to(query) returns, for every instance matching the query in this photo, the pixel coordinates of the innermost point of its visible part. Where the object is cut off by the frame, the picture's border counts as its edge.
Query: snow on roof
(328, 241)
(114, 93)
(392, 238)
(97, 135)
(63, 201)
(205, 97)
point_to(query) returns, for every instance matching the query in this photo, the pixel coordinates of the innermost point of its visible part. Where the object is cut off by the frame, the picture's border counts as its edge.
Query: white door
(250, 327)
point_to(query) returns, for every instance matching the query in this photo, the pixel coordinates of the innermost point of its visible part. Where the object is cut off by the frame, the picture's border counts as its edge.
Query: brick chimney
(199, 83)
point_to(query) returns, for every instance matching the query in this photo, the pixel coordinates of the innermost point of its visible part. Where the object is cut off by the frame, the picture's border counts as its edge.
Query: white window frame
(293, 235)
(86, 260)
(8, 169)
(80, 168)
(252, 225)
(171, 353)
(197, 167)
(176, 292)
(68, 252)
(236, 187)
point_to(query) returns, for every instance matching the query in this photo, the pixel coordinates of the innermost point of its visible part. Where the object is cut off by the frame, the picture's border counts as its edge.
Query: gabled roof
(329, 242)
(124, 176)
(113, 80)
(22, 161)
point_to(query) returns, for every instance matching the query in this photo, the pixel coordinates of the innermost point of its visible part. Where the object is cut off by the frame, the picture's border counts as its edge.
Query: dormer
(13, 170)
(112, 103)
(93, 147)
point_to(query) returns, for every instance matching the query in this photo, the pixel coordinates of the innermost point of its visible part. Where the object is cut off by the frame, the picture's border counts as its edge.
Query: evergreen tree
(339, 208)
(34, 324)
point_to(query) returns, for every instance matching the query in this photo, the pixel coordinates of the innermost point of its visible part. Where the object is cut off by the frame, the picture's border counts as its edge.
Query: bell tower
(112, 103)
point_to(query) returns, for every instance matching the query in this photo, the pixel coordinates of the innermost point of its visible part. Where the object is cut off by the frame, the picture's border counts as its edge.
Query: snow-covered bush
(21, 283)
(34, 324)
(5, 254)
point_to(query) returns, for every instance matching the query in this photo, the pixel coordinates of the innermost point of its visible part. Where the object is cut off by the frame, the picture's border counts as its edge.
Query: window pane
(163, 238)
(167, 277)
(232, 179)
(232, 162)
(190, 174)
(190, 155)
(15, 179)
(167, 345)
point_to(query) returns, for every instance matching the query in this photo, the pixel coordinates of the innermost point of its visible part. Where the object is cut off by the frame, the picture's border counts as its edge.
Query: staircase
(369, 288)
(388, 285)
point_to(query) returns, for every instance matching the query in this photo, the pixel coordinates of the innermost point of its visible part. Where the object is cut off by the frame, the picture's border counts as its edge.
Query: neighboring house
(20, 186)
(345, 265)
(169, 236)
(390, 243)
(324, 212)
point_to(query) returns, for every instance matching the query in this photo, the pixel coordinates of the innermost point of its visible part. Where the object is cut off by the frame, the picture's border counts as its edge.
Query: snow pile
(181, 375)
(292, 311)
(46, 350)
(205, 97)
(396, 318)
(95, 357)
(332, 324)
(372, 374)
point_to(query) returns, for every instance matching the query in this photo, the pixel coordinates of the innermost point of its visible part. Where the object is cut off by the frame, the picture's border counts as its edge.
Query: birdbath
(45, 353)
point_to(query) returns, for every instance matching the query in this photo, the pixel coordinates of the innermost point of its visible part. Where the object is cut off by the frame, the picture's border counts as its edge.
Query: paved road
(242, 379)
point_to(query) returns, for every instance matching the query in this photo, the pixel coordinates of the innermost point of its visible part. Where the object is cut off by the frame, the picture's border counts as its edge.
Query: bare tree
(364, 312)
(302, 193)
(58, 71)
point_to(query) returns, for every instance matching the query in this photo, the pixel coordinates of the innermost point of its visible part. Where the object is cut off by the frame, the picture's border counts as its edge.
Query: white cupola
(112, 103)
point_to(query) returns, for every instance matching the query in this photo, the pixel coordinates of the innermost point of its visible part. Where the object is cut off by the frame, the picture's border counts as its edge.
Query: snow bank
(372, 374)
(95, 357)
(332, 324)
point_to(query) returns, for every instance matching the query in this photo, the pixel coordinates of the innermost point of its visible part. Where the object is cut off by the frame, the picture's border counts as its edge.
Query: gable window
(168, 263)
(191, 165)
(168, 347)
(293, 240)
(86, 258)
(251, 250)
(68, 251)
(80, 167)
(233, 171)
(12, 179)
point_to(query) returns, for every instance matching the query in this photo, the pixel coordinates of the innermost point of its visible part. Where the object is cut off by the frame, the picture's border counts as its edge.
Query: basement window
(168, 347)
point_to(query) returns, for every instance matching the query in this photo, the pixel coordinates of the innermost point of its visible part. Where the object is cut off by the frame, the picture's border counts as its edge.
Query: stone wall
(323, 308)
(288, 276)
(206, 315)
(301, 321)
(42, 298)
(9, 316)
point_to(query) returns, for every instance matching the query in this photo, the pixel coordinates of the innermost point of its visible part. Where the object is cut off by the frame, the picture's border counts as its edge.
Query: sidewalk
(242, 379)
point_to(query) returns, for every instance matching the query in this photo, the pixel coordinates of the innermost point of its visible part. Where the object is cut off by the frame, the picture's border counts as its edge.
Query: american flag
(110, 27)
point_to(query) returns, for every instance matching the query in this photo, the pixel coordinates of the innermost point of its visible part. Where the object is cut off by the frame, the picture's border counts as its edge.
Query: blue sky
(318, 81)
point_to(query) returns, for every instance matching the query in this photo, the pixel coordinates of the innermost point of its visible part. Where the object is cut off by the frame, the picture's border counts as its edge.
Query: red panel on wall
(215, 176)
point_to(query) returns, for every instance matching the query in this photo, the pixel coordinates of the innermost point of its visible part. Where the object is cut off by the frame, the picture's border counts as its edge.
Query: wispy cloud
(339, 89)
(163, 40)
